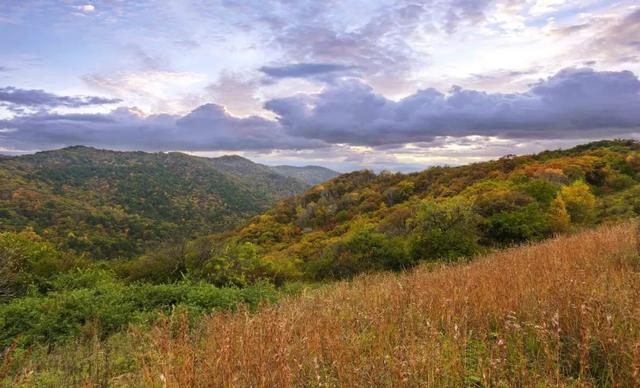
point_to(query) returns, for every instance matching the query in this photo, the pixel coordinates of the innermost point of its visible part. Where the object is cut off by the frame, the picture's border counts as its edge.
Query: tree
(238, 264)
(25, 261)
(444, 230)
(362, 250)
(559, 219)
(579, 202)
(517, 226)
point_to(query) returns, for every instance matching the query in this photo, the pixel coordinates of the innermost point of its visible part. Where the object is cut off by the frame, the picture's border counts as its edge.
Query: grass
(565, 312)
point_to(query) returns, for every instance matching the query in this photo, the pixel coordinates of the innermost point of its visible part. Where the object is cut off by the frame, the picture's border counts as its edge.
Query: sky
(379, 84)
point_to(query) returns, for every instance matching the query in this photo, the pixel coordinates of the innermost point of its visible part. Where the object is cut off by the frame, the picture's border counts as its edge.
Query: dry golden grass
(565, 312)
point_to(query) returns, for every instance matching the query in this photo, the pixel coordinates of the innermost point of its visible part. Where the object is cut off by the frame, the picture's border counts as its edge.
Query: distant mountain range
(246, 169)
(115, 204)
(309, 174)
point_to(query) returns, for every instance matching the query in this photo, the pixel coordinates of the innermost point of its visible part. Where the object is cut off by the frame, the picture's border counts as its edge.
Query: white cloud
(86, 8)
(153, 91)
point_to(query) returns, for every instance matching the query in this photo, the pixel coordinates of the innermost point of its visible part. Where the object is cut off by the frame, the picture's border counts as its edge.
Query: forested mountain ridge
(361, 221)
(275, 185)
(309, 174)
(113, 204)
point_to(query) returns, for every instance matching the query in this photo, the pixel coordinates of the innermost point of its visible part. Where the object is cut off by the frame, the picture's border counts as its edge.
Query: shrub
(445, 230)
(26, 261)
(524, 224)
(363, 250)
(111, 305)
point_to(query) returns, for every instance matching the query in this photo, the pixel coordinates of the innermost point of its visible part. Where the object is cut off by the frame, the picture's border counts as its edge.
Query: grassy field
(564, 312)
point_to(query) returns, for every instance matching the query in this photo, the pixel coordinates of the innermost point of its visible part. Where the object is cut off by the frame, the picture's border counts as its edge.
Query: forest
(95, 243)
(107, 205)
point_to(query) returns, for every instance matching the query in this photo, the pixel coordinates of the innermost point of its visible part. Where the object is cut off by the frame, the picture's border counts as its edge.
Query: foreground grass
(564, 312)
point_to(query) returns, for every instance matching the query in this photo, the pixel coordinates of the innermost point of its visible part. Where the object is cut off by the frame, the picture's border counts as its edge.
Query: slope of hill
(560, 313)
(260, 177)
(311, 175)
(111, 204)
(361, 221)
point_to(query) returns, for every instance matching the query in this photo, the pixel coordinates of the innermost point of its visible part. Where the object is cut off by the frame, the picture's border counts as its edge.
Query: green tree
(524, 224)
(26, 261)
(362, 250)
(444, 230)
(236, 264)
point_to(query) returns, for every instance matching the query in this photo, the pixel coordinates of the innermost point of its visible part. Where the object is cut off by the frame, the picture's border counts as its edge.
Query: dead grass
(565, 312)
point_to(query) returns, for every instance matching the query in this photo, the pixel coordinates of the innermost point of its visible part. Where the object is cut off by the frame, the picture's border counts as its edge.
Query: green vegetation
(50, 296)
(117, 204)
(361, 221)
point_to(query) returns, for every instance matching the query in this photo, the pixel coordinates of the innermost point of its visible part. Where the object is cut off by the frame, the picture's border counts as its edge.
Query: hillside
(112, 204)
(361, 221)
(275, 185)
(560, 313)
(311, 175)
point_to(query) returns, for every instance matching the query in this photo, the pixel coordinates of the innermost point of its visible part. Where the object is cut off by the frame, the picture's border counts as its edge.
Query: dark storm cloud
(304, 70)
(571, 104)
(208, 127)
(14, 97)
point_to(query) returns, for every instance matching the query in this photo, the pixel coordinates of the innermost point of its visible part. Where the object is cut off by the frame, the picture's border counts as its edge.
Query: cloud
(187, 44)
(236, 93)
(148, 61)
(15, 98)
(621, 41)
(304, 70)
(154, 90)
(573, 103)
(85, 8)
(208, 127)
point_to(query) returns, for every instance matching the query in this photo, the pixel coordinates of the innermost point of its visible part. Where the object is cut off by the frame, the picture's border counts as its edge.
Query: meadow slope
(564, 312)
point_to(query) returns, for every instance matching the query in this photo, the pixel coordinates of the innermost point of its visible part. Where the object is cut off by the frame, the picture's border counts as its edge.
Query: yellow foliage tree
(559, 219)
(579, 202)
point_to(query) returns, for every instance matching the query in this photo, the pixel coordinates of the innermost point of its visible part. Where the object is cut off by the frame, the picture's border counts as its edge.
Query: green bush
(360, 251)
(25, 262)
(110, 305)
(525, 224)
(542, 190)
(444, 230)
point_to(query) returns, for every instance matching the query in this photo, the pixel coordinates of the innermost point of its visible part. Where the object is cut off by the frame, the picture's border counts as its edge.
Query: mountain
(311, 175)
(113, 204)
(263, 178)
(361, 221)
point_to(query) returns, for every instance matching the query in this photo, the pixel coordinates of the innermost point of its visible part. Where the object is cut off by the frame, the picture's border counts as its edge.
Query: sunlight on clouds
(540, 7)
(153, 91)
(85, 8)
